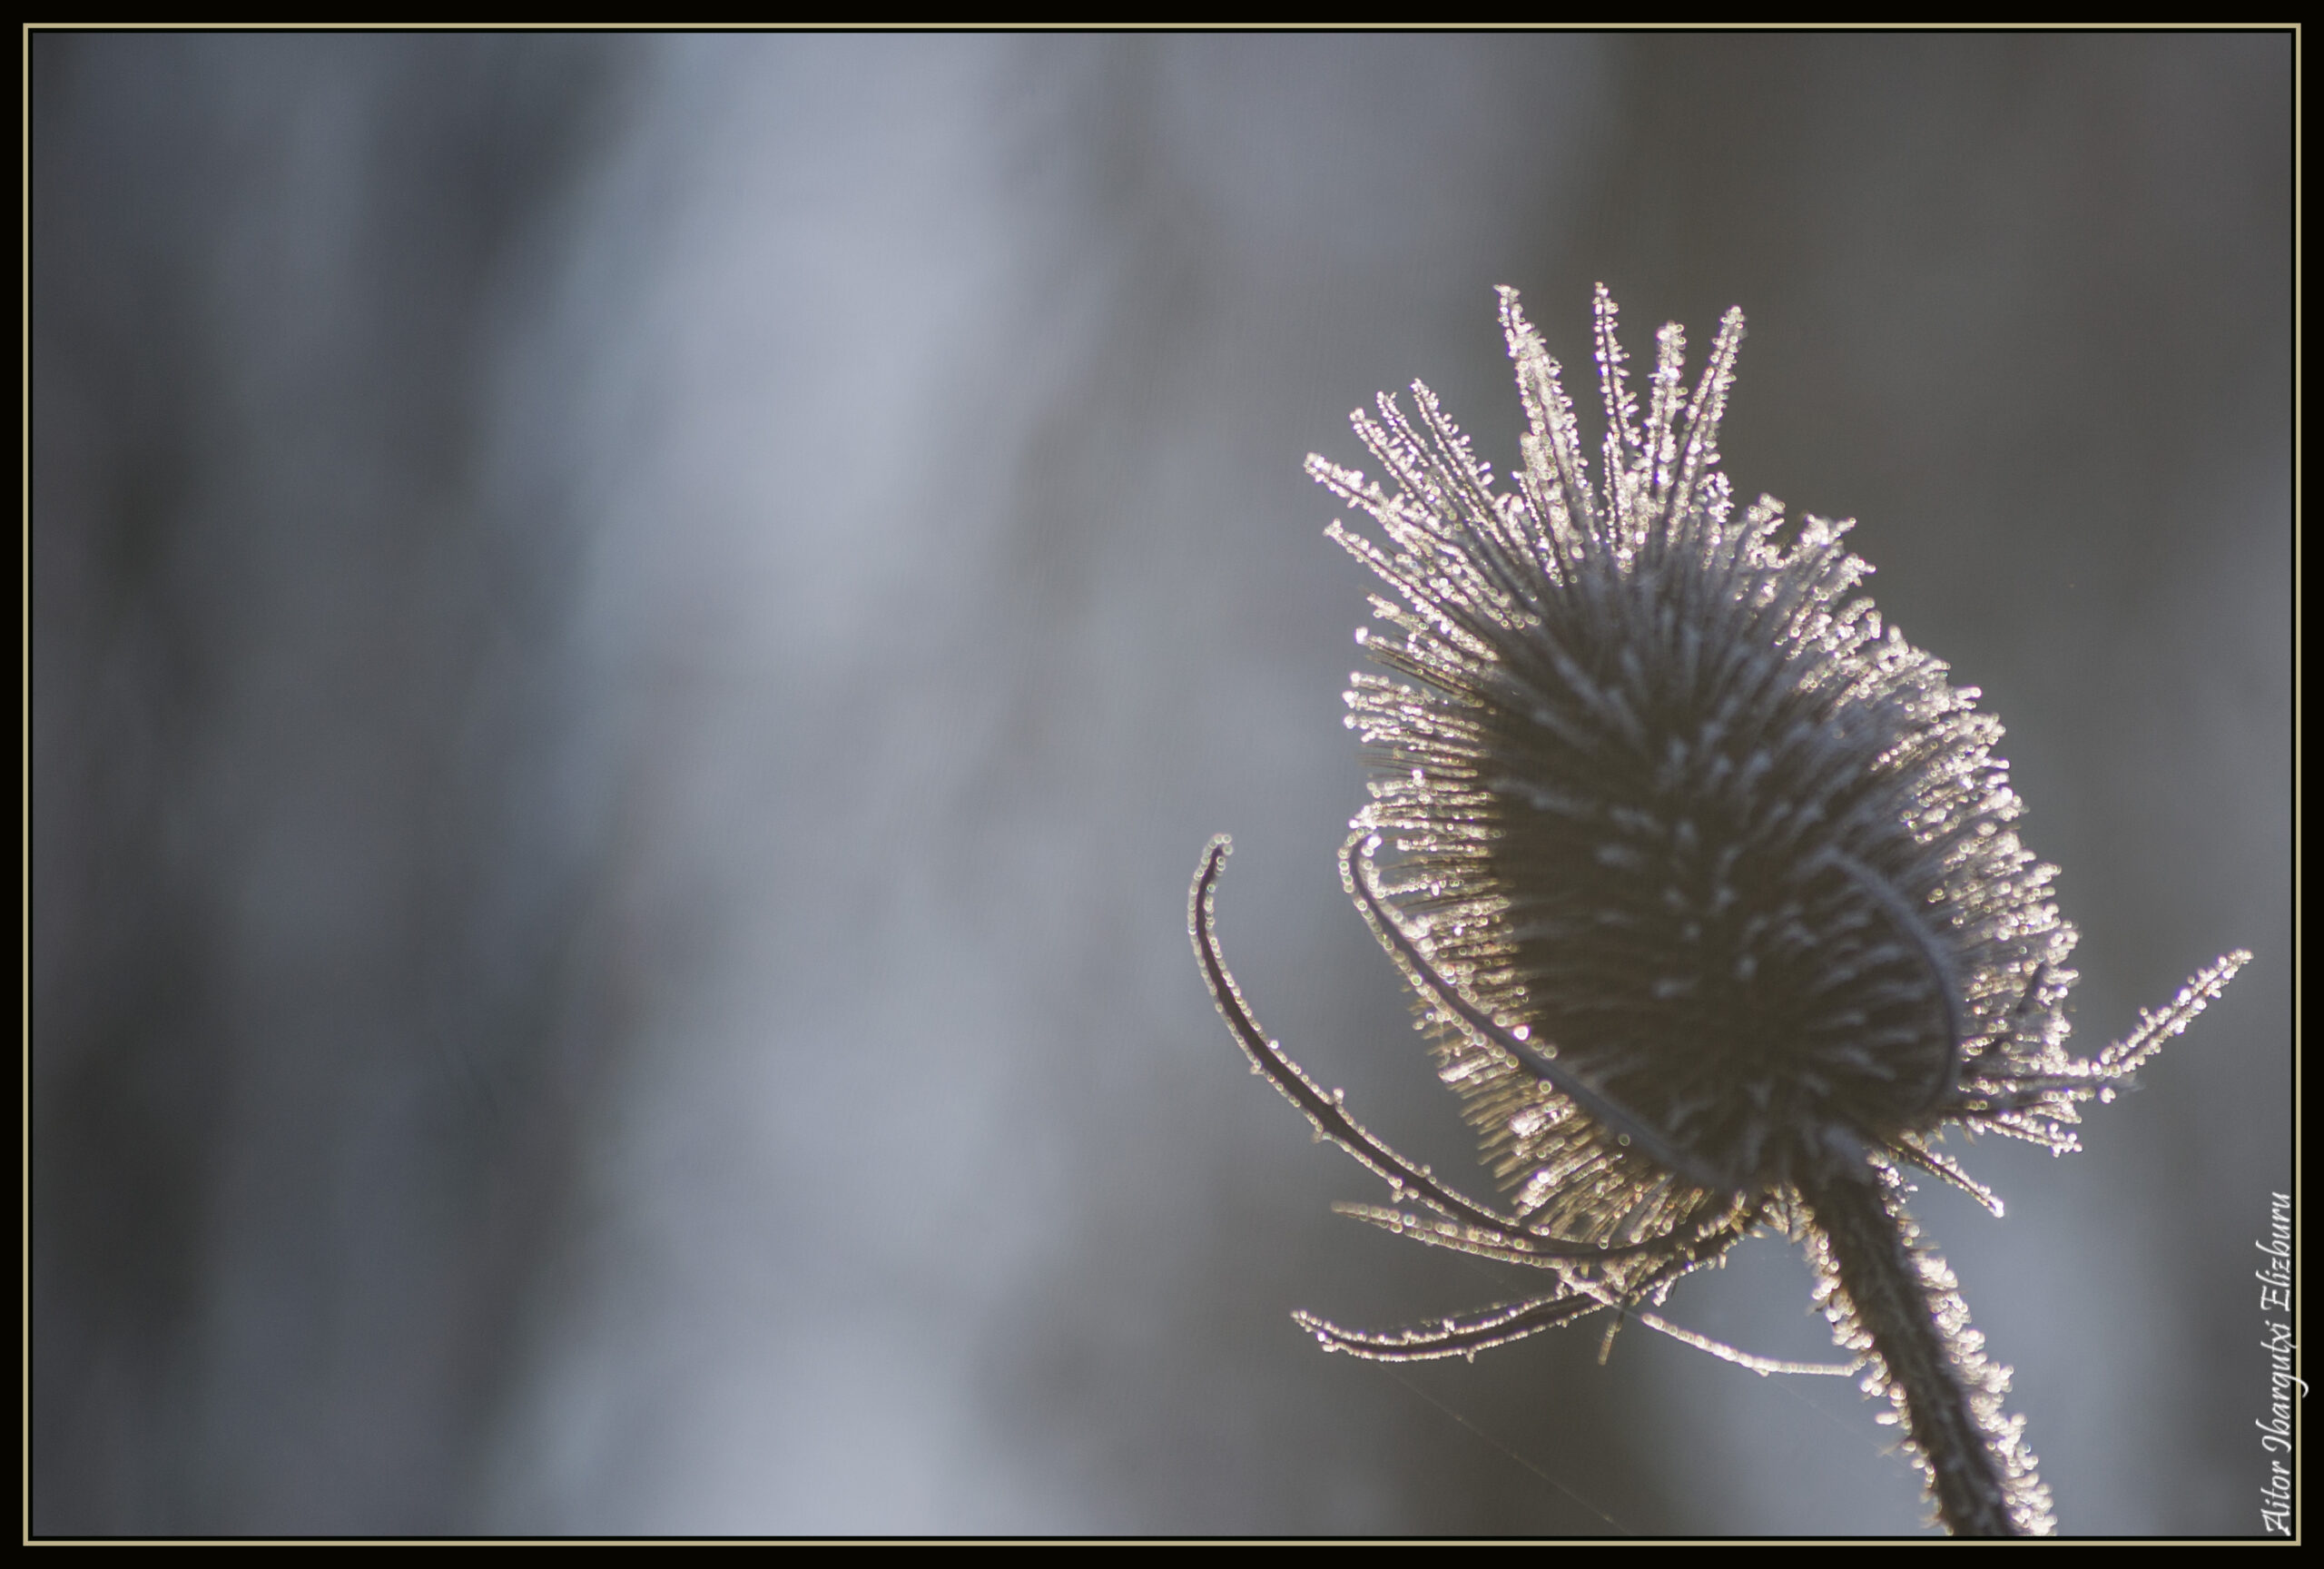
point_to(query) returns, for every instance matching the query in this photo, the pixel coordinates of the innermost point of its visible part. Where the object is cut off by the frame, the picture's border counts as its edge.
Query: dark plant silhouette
(1708, 893)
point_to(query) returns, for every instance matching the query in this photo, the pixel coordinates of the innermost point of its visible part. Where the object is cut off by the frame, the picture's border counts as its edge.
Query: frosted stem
(1894, 1307)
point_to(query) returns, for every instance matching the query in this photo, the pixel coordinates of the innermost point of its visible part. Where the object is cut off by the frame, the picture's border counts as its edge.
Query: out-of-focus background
(634, 640)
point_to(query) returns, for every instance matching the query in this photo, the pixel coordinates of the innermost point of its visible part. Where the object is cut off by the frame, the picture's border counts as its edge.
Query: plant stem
(1892, 1305)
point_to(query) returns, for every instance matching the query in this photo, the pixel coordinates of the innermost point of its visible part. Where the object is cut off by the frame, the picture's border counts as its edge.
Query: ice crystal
(1707, 889)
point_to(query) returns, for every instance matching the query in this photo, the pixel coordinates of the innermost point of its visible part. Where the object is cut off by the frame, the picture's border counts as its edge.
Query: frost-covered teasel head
(1732, 861)
(1706, 881)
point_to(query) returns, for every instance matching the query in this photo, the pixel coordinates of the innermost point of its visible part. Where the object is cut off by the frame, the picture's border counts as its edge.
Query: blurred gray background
(634, 640)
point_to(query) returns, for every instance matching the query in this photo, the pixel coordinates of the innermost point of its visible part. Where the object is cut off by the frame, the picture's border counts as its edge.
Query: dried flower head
(1708, 891)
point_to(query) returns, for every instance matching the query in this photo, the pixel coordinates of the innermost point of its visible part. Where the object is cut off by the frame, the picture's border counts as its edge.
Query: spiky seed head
(1672, 802)
(1708, 889)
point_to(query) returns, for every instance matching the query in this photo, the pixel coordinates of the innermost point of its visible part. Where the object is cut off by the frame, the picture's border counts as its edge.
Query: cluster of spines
(1486, 582)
